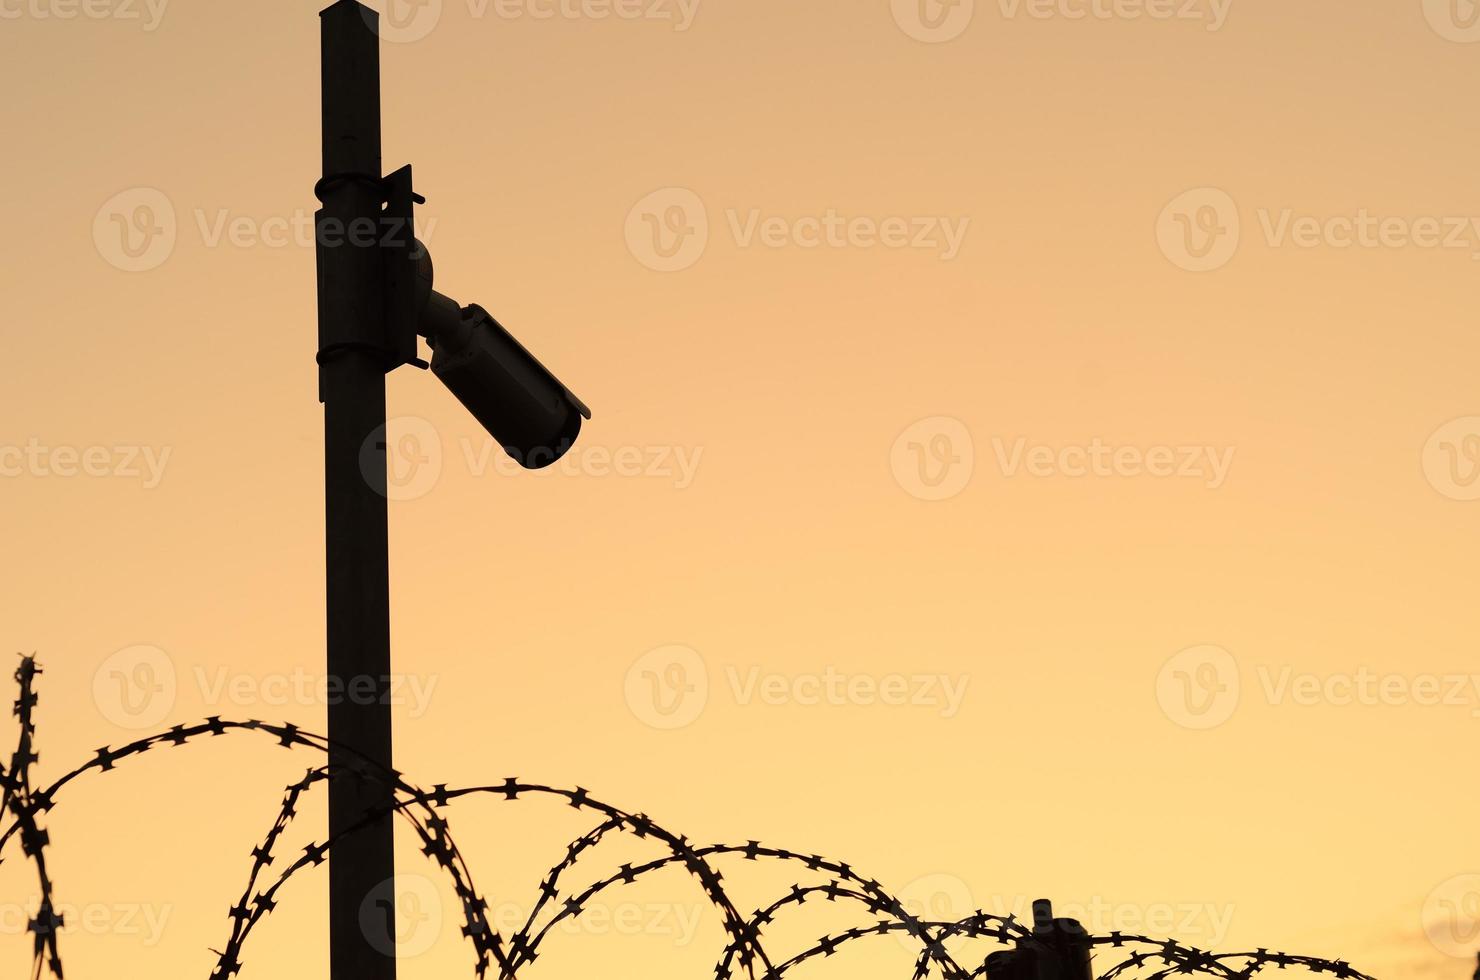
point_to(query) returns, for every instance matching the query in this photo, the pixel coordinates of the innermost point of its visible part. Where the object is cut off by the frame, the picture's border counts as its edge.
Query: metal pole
(352, 388)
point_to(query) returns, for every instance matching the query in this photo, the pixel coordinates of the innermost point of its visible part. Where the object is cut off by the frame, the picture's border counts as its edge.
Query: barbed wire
(833, 881)
(21, 801)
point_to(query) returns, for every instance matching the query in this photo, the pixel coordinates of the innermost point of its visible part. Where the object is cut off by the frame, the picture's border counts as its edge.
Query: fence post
(1059, 950)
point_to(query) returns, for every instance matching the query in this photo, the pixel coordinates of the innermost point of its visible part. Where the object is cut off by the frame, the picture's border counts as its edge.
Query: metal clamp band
(349, 176)
(380, 353)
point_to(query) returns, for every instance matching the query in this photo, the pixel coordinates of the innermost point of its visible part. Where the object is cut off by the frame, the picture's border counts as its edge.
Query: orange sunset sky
(1036, 453)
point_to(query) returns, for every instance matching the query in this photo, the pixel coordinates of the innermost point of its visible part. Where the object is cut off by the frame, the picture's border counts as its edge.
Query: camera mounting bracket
(405, 268)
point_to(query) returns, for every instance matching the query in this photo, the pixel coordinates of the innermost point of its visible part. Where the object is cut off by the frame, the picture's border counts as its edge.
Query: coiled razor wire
(744, 955)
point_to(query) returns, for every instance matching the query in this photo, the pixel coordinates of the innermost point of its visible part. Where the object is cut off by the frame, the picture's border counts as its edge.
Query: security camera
(511, 394)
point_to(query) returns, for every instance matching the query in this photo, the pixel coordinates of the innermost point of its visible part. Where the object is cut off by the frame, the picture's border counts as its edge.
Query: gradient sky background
(806, 387)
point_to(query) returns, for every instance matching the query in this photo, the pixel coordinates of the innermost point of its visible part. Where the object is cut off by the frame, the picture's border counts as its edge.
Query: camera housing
(534, 417)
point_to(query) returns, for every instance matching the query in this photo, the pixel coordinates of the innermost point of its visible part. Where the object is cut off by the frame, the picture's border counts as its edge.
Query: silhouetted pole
(352, 388)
